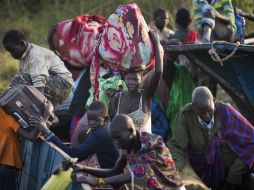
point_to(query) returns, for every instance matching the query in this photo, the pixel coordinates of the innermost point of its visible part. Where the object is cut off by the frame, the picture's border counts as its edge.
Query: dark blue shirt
(98, 142)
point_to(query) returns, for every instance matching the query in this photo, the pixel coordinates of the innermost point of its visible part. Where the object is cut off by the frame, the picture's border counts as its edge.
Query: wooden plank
(249, 41)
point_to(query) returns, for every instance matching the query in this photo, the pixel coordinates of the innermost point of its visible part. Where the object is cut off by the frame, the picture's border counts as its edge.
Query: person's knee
(224, 32)
(191, 180)
(206, 21)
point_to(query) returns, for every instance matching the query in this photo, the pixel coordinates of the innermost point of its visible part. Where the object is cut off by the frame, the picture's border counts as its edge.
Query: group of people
(214, 20)
(209, 143)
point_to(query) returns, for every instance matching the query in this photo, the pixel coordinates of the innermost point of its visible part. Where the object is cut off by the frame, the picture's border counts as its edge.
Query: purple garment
(207, 164)
(237, 134)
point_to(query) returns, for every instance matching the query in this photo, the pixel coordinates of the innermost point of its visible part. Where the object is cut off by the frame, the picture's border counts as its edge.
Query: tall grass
(8, 67)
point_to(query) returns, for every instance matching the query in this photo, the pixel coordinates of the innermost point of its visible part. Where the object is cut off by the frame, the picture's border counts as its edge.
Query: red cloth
(191, 37)
(125, 43)
(80, 37)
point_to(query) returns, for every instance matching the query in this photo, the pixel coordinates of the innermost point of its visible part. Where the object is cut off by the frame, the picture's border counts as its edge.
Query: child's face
(95, 119)
(133, 81)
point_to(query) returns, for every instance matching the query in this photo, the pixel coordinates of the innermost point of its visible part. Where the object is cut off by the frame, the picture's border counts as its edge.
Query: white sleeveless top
(141, 120)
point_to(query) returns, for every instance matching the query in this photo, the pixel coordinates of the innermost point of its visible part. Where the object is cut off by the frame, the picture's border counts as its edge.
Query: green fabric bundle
(109, 83)
(180, 93)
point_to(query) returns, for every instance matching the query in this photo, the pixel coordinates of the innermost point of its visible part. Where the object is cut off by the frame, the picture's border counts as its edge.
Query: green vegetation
(7, 70)
(34, 17)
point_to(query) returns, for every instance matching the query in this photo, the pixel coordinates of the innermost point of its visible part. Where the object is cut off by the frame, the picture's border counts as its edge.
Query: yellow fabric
(60, 181)
(10, 149)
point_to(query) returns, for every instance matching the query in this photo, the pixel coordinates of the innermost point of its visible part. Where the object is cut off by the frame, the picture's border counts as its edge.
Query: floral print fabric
(79, 36)
(153, 166)
(125, 43)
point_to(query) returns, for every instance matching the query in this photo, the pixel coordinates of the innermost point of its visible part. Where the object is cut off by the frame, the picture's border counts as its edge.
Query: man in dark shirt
(98, 141)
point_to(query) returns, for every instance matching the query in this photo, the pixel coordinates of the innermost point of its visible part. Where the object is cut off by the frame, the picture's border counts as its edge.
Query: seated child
(183, 33)
(98, 142)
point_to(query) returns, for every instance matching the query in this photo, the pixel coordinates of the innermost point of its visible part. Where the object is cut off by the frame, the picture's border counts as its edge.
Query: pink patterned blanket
(79, 36)
(125, 43)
